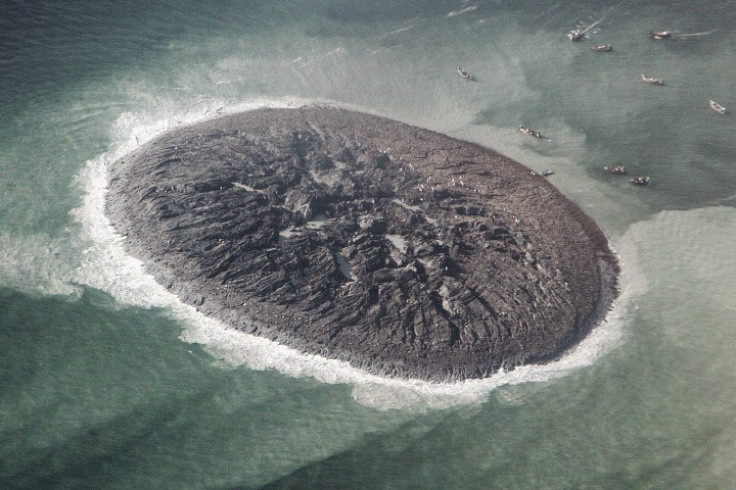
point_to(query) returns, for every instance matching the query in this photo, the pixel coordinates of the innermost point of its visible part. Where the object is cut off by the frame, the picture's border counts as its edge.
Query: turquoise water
(106, 381)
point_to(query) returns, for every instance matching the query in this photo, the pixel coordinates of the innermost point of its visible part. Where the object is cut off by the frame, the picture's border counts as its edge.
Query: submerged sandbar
(398, 249)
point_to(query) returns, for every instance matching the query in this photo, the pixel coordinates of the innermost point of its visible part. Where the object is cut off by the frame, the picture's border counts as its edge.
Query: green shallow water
(106, 382)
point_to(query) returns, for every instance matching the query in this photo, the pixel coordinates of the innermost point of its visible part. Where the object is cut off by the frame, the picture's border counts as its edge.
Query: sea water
(108, 381)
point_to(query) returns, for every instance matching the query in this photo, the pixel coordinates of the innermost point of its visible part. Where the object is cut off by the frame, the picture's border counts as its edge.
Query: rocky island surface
(400, 250)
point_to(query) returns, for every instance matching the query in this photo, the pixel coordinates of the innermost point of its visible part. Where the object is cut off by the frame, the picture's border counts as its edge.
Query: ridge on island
(400, 250)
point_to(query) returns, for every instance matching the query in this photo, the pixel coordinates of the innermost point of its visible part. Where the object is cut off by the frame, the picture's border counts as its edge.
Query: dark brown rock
(400, 250)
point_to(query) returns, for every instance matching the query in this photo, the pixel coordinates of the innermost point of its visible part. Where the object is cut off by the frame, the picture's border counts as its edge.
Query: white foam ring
(37, 264)
(106, 266)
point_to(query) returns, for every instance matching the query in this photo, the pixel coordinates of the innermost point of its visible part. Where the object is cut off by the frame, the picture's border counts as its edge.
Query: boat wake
(588, 28)
(696, 34)
(584, 29)
(397, 31)
(466, 10)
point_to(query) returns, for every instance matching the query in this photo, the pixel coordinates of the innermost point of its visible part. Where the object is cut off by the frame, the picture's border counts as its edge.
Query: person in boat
(660, 35)
(602, 47)
(640, 180)
(717, 107)
(530, 132)
(652, 80)
(464, 73)
(575, 35)
(616, 170)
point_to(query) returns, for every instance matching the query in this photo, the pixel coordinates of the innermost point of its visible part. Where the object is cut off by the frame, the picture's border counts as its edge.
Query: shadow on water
(98, 455)
(62, 428)
(97, 395)
(398, 448)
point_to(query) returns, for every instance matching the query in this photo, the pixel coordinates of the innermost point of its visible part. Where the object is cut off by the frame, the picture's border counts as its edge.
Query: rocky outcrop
(403, 251)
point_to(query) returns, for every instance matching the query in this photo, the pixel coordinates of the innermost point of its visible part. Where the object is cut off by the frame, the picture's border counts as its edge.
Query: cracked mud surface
(400, 250)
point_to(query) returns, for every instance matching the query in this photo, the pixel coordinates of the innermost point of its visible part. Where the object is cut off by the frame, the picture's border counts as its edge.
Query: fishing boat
(464, 73)
(602, 48)
(530, 132)
(652, 80)
(615, 169)
(660, 35)
(576, 35)
(641, 180)
(717, 107)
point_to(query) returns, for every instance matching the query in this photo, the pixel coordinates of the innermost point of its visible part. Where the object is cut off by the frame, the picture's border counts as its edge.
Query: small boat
(547, 173)
(576, 35)
(616, 170)
(602, 48)
(465, 74)
(717, 107)
(641, 180)
(530, 132)
(660, 35)
(652, 80)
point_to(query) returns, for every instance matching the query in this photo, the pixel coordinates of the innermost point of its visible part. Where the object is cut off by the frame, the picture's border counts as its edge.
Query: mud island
(400, 250)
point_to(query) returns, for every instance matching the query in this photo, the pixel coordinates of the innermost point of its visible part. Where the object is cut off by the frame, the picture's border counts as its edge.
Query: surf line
(128, 282)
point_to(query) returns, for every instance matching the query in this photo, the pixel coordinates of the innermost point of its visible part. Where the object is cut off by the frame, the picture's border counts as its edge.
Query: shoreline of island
(460, 327)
